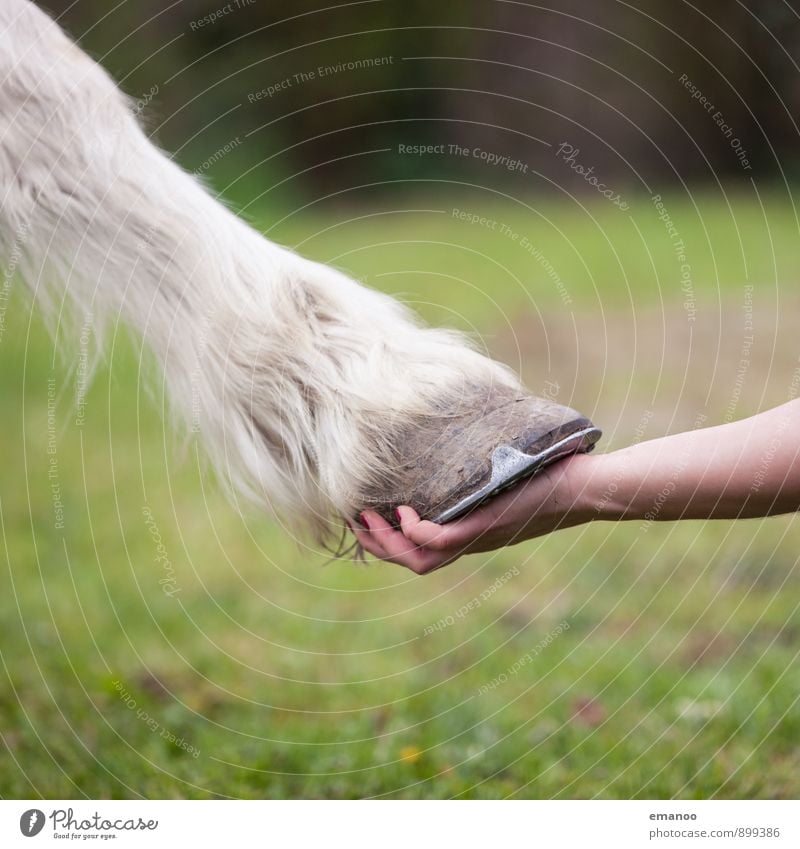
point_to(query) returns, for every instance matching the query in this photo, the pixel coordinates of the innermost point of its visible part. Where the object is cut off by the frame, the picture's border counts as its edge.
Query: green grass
(470, 275)
(677, 675)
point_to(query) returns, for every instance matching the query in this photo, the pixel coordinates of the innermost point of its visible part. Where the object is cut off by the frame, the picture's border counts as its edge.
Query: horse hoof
(459, 458)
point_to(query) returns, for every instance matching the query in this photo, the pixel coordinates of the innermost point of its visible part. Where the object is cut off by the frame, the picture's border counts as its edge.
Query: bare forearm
(743, 469)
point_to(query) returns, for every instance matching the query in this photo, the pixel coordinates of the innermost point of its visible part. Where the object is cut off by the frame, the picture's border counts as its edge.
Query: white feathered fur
(295, 376)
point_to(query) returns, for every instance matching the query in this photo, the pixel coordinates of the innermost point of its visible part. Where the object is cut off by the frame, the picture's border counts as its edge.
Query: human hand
(553, 499)
(729, 471)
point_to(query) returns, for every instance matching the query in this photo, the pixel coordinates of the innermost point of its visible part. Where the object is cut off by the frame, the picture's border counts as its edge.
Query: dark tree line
(648, 93)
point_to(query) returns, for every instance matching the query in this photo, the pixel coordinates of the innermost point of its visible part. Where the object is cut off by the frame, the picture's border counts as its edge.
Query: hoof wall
(510, 465)
(477, 446)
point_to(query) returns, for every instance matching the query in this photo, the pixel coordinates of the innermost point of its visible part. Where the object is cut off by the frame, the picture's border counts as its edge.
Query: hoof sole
(510, 466)
(479, 444)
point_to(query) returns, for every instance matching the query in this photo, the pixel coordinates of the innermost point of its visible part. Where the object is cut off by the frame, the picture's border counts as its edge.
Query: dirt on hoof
(476, 446)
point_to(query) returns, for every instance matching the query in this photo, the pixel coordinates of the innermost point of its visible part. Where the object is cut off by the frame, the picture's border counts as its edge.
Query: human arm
(742, 469)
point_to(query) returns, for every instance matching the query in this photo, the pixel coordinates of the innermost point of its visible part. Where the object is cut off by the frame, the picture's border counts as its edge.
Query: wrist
(582, 476)
(599, 487)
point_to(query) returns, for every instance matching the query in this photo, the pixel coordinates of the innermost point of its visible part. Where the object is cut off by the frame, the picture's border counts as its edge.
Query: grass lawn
(158, 642)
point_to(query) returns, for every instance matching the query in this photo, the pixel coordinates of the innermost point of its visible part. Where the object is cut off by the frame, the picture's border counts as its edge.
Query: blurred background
(510, 77)
(603, 194)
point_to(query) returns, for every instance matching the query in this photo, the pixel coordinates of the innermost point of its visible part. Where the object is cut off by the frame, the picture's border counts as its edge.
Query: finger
(452, 536)
(393, 541)
(421, 532)
(398, 548)
(367, 541)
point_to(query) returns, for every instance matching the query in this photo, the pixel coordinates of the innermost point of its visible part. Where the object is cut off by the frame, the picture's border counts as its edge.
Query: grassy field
(158, 642)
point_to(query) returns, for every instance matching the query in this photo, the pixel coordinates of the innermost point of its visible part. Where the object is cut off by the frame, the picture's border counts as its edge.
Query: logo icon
(31, 822)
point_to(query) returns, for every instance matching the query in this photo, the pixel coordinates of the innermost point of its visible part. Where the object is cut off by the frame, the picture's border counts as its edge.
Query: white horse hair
(296, 377)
